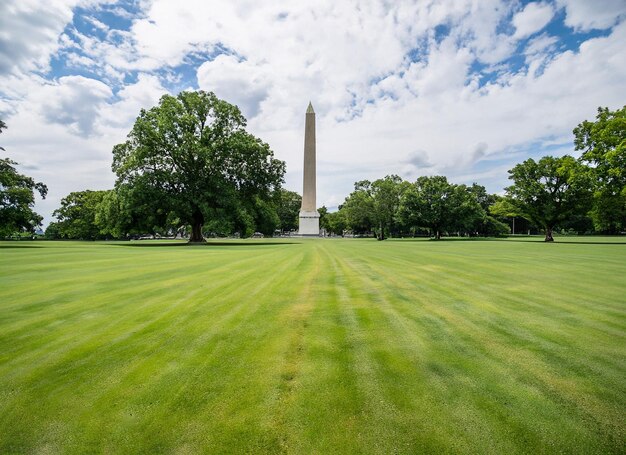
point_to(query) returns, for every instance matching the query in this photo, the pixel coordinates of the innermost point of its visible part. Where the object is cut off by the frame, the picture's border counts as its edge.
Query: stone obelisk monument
(309, 217)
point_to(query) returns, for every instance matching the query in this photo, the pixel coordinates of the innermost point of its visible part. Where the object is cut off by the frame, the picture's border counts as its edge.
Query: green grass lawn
(320, 346)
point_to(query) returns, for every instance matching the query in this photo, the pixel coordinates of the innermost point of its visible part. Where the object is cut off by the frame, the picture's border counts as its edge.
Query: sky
(462, 88)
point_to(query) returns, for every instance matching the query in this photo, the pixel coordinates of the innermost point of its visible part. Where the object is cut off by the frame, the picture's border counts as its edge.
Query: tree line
(189, 167)
(584, 195)
(103, 215)
(392, 207)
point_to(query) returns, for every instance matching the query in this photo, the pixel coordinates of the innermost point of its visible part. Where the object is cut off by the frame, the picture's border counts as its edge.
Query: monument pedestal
(309, 223)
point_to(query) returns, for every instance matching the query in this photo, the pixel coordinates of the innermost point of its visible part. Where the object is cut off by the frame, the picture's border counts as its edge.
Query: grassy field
(320, 346)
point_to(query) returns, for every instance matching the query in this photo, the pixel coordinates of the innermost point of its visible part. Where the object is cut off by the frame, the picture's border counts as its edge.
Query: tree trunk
(196, 228)
(381, 232)
(437, 234)
(549, 237)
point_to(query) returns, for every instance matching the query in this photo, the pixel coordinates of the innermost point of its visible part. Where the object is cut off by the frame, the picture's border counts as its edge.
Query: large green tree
(77, 215)
(191, 157)
(265, 219)
(358, 208)
(374, 205)
(335, 222)
(17, 198)
(132, 210)
(485, 224)
(386, 195)
(603, 146)
(440, 206)
(548, 192)
(288, 205)
(110, 216)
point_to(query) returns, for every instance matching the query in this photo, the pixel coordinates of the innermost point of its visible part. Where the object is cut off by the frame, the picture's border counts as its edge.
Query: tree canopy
(191, 157)
(440, 206)
(386, 194)
(485, 224)
(603, 146)
(335, 222)
(358, 208)
(548, 191)
(288, 205)
(17, 198)
(77, 215)
(391, 206)
(372, 206)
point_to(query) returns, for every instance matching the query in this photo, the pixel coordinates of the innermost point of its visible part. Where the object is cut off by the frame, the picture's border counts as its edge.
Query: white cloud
(585, 15)
(532, 19)
(239, 82)
(143, 94)
(98, 24)
(77, 61)
(541, 43)
(65, 162)
(45, 132)
(478, 30)
(74, 101)
(450, 125)
(29, 31)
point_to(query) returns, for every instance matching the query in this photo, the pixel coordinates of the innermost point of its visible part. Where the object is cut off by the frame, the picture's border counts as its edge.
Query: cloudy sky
(461, 88)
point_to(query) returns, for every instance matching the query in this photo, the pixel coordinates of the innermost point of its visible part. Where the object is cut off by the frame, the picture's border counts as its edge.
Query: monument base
(309, 223)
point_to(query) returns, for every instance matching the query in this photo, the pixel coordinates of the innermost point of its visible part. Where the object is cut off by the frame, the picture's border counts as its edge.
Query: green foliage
(549, 191)
(110, 216)
(77, 215)
(288, 205)
(335, 222)
(266, 220)
(372, 206)
(504, 208)
(190, 156)
(485, 224)
(358, 208)
(323, 211)
(221, 224)
(386, 195)
(17, 199)
(52, 231)
(603, 144)
(244, 222)
(609, 210)
(440, 206)
(490, 226)
(135, 210)
(392, 206)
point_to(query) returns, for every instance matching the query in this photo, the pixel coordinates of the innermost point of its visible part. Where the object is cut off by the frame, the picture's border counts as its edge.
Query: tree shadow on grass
(19, 246)
(446, 239)
(202, 245)
(514, 240)
(570, 242)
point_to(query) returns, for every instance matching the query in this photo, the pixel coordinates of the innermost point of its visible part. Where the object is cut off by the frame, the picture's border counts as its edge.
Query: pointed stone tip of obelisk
(309, 110)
